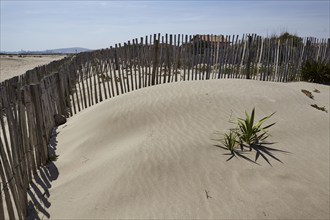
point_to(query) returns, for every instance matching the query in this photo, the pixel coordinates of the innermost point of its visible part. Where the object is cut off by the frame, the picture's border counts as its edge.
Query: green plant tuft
(52, 158)
(250, 133)
(316, 72)
(230, 142)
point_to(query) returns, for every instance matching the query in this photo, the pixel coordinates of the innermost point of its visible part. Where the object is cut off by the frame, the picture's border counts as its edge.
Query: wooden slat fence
(29, 102)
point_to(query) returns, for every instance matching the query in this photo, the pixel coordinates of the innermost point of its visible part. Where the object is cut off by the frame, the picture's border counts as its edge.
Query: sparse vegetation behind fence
(29, 102)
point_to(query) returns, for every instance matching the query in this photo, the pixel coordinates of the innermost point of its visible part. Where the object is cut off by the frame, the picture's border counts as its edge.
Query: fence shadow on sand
(39, 188)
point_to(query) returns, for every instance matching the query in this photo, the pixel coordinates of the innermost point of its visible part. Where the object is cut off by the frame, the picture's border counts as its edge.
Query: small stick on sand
(308, 93)
(319, 108)
(207, 194)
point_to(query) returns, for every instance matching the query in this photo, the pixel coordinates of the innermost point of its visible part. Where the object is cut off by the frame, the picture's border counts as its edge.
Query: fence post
(153, 77)
(2, 212)
(40, 126)
(248, 62)
(116, 59)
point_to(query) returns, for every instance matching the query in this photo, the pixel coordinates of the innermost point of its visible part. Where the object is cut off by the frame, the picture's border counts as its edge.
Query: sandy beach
(151, 154)
(15, 65)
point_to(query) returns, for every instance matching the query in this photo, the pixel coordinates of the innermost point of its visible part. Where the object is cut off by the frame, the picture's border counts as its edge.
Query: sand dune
(151, 154)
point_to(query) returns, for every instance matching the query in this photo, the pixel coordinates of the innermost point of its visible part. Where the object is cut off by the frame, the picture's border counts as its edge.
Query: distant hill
(68, 50)
(71, 50)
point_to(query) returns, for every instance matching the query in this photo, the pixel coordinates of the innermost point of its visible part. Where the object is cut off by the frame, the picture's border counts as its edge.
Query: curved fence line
(29, 102)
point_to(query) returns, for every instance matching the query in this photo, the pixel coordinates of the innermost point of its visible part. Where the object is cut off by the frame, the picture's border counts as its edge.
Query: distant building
(206, 41)
(213, 40)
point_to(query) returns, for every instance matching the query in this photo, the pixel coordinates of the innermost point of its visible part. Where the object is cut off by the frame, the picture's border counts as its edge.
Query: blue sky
(39, 25)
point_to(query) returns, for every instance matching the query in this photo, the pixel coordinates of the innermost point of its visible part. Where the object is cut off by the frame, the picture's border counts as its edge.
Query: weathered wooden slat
(220, 55)
(102, 80)
(155, 63)
(236, 57)
(80, 89)
(10, 208)
(6, 170)
(95, 85)
(3, 106)
(185, 53)
(124, 68)
(90, 83)
(108, 78)
(216, 57)
(113, 72)
(67, 89)
(161, 59)
(31, 129)
(224, 57)
(135, 63)
(284, 63)
(249, 57)
(269, 59)
(25, 162)
(244, 44)
(146, 62)
(130, 64)
(35, 93)
(260, 64)
(149, 60)
(170, 58)
(2, 211)
(105, 78)
(120, 76)
(206, 58)
(98, 77)
(231, 58)
(223, 65)
(254, 52)
(277, 58)
(15, 172)
(19, 148)
(212, 57)
(192, 58)
(141, 63)
(87, 84)
(113, 78)
(159, 69)
(196, 56)
(167, 59)
(176, 57)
